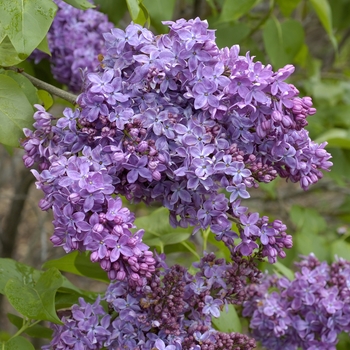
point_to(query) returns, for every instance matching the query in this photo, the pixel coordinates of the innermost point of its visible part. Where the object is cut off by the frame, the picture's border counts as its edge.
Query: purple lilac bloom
(148, 318)
(209, 130)
(307, 312)
(75, 40)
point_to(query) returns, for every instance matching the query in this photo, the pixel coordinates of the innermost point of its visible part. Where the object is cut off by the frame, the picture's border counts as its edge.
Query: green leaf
(228, 321)
(18, 343)
(36, 302)
(273, 41)
(233, 10)
(307, 219)
(36, 331)
(8, 54)
(80, 4)
(25, 23)
(44, 46)
(174, 237)
(27, 87)
(160, 10)
(283, 41)
(156, 223)
(159, 232)
(66, 300)
(284, 270)
(341, 249)
(78, 264)
(287, 6)
(137, 11)
(45, 98)
(11, 269)
(324, 13)
(113, 9)
(229, 34)
(16, 111)
(292, 38)
(335, 137)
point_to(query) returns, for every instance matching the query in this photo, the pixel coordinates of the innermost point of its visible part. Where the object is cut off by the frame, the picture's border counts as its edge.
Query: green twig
(46, 86)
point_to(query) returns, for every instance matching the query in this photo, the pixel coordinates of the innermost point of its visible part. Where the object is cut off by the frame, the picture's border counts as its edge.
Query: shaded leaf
(160, 10)
(273, 41)
(66, 300)
(324, 13)
(233, 10)
(287, 6)
(292, 38)
(18, 343)
(16, 111)
(231, 33)
(36, 331)
(113, 9)
(78, 264)
(228, 321)
(336, 138)
(284, 270)
(341, 249)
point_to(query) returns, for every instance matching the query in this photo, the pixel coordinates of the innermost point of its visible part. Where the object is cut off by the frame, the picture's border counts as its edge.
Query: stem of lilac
(205, 238)
(185, 244)
(47, 87)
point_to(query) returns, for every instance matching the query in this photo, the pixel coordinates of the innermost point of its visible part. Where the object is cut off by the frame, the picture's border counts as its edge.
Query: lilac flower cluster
(79, 187)
(183, 120)
(75, 40)
(308, 312)
(173, 312)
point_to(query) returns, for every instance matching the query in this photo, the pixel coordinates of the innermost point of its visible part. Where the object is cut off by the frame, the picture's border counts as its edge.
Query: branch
(48, 87)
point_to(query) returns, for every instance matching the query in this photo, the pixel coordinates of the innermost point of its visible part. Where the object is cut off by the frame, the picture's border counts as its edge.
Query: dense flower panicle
(173, 312)
(175, 119)
(75, 40)
(308, 312)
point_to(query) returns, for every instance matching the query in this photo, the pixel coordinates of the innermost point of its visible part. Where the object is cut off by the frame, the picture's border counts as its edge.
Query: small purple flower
(212, 306)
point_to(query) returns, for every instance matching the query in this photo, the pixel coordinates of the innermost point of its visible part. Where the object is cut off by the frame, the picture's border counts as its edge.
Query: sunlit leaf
(16, 112)
(228, 321)
(25, 23)
(17, 343)
(80, 4)
(38, 301)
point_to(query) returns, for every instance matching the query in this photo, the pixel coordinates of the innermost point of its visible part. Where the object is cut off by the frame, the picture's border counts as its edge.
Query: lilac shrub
(173, 312)
(173, 119)
(308, 312)
(145, 129)
(75, 40)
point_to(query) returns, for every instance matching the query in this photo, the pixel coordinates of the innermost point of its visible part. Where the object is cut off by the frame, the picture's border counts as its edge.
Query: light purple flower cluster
(78, 184)
(75, 40)
(308, 312)
(173, 312)
(183, 120)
